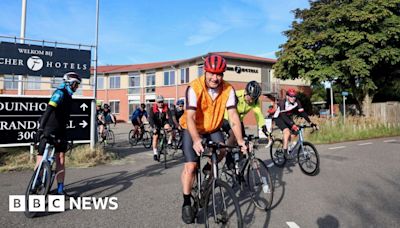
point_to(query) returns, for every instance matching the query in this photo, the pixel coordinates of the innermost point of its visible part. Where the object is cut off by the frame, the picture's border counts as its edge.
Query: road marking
(338, 147)
(270, 165)
(363, 144)
(292, 225)
(390, 140)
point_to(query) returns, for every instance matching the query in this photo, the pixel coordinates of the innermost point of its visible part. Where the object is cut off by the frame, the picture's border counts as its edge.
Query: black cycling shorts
(60, 146)
(135, 123)
(188, 151)
(282, 125)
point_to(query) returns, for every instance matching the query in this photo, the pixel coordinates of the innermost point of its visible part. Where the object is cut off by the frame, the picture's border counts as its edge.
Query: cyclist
(137, 116)
(247, 100)
(283, 117)
(105, 117)
(179, 109)
(54, 121)
(160, 116)
(207, 97)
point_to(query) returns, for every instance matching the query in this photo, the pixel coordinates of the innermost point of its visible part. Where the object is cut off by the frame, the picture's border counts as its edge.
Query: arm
(260, 118)
(302, 113)
(234, 121)
(194, 134)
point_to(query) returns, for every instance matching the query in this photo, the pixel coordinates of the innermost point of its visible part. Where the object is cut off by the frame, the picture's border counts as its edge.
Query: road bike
(109, 139)
(213, 195)
(251, 175)
(43, 176)
(177, 140)
(163, 148)
(305, 153)
(143, 136)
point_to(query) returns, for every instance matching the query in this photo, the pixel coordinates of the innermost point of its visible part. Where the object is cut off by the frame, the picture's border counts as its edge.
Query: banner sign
(35, 60)
(19, 119)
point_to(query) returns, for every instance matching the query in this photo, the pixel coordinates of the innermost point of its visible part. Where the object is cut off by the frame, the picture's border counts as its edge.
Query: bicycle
(252, 175)
(177, 140)
(109, 136)
(145, 136)
(43, 176)
(162, 148)
(205, 193)
(307, 154)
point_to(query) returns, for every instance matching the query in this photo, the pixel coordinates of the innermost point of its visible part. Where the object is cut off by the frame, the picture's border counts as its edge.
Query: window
(169, 101)
(200, 70)
(33, 82)
(100, 82)
(134, 83)
(10, 82)
(169, 77)
(184, 75)
(133, 104)
(150, 82)
(114, 105)
(115, 82)
(56, 82)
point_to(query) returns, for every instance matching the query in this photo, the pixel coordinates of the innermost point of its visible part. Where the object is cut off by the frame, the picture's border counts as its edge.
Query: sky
(143, 31)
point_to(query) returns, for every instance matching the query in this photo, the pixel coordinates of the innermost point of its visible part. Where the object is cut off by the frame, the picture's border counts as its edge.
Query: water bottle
(265, 185)
(236, 159)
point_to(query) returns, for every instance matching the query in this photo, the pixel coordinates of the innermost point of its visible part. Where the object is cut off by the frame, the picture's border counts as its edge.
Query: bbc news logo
(56, 203)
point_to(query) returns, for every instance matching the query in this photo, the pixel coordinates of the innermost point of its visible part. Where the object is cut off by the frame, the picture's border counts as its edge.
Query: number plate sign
(19, 119)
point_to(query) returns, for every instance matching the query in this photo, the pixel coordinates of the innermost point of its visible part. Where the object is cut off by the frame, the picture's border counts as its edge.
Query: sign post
(344, 94)
(19, 119)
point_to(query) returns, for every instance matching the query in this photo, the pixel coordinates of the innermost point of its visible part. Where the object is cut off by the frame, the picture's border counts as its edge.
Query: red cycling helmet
(215, 64)
(291, 92)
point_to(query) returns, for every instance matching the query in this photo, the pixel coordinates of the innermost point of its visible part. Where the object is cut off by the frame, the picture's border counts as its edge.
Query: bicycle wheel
(110, 138)
(147, 139)
(308, 159)
(277, 153)
(133, 140)
(260, 184)
(221, 208)
(41, 188)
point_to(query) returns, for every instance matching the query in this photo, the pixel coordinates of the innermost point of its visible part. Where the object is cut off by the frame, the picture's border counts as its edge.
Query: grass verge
(355, 128)
(15, 159)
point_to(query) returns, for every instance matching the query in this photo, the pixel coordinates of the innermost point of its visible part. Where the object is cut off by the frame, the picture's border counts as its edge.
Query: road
(358, 186)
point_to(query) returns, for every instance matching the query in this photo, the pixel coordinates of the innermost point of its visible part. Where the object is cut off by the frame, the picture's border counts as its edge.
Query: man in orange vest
(207, 97)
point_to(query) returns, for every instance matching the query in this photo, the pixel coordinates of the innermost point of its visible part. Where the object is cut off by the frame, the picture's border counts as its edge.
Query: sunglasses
(160, 102)
(291, 96)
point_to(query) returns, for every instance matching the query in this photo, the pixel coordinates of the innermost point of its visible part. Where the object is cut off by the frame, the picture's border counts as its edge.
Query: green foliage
(356, 43)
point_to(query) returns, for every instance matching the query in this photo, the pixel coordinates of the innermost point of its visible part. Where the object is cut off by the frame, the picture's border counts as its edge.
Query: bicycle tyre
(110, 138)
(44, 187)
(306, 159)
(147, 139)
(133, 140)
(277, 153)
(262, 198)
(211, 206)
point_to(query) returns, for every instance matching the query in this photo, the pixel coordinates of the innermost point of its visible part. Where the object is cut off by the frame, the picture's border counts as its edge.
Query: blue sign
(344, 93)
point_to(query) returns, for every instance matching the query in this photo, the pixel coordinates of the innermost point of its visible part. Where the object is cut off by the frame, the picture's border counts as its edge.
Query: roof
(148, 66)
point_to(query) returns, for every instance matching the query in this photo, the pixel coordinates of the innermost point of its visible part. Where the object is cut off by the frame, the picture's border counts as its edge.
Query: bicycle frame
(45, 158)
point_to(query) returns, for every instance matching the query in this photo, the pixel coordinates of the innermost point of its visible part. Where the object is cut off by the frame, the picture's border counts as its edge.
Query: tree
(353, 42)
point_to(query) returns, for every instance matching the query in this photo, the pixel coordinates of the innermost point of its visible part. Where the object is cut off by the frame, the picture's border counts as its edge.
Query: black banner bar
(35, 60)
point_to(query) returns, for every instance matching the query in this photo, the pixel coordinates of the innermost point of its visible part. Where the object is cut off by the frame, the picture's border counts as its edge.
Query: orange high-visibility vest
(209, 113)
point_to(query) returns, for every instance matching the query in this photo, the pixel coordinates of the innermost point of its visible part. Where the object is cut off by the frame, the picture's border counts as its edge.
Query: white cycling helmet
(72, 77)
(159, 98)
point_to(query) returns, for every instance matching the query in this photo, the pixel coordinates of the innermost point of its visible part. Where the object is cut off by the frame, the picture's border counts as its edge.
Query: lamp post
(22, 41)
(331, 98)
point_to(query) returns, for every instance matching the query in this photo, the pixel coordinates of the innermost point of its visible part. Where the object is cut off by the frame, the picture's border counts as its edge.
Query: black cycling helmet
(143, 105)
(106, 106)
(253, 89)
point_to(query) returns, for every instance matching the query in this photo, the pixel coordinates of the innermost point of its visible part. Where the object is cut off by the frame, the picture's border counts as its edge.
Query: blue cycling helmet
(180, 102)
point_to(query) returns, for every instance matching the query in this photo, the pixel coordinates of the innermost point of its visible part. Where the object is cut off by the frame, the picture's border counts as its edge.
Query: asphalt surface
(358, 186)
